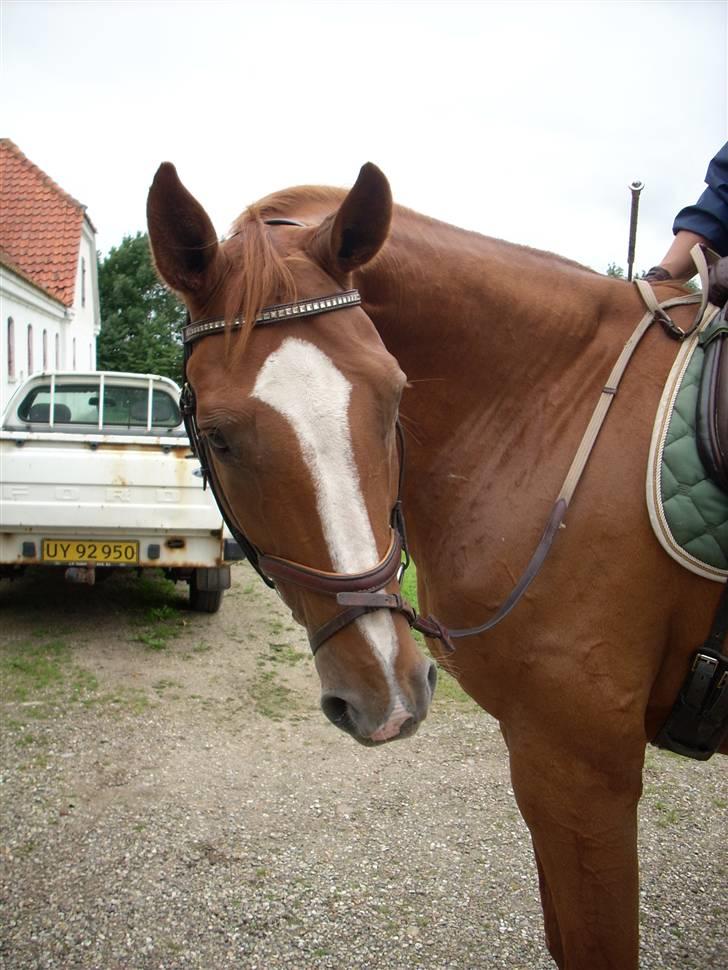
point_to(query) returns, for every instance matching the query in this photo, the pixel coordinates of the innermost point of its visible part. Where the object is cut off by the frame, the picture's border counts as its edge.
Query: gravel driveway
(173, 798)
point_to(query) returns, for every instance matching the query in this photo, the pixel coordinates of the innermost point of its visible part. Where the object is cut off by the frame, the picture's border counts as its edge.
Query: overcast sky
(520, 120)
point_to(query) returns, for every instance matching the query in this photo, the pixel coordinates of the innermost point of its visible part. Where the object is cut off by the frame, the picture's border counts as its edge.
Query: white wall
(86, 318)
(31, 313)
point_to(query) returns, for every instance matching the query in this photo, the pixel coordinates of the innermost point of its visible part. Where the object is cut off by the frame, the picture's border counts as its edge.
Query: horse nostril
(432, 677)
(336, 710)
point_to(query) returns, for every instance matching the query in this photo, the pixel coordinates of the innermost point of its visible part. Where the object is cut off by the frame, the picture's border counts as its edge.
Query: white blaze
(304, 386)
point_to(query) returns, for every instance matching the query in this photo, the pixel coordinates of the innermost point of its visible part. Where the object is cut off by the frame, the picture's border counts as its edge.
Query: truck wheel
(204, 600)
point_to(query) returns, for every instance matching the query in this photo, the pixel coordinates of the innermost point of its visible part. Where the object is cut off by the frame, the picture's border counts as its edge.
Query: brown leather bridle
(358, 593)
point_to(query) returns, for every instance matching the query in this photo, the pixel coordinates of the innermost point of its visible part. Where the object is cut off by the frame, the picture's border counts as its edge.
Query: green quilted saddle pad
(695, 508)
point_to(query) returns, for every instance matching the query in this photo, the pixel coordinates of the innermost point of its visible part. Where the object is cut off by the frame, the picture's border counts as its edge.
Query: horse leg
(583, 822)
(551, 923)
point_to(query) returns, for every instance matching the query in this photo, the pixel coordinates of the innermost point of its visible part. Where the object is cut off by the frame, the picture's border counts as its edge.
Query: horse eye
(217, 441)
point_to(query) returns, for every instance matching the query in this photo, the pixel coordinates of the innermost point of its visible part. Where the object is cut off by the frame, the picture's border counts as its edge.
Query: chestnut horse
(505, 351)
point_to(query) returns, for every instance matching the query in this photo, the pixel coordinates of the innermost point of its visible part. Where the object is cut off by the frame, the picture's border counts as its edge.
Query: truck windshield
(125, 407)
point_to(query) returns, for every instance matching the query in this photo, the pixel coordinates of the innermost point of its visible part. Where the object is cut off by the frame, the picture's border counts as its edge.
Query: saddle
(698, 722)
(711, 418)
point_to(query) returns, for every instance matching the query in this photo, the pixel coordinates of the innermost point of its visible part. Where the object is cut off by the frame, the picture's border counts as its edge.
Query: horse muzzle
(372, 723)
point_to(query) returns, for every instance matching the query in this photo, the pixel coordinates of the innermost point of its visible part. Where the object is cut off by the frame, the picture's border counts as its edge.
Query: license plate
(114, 552)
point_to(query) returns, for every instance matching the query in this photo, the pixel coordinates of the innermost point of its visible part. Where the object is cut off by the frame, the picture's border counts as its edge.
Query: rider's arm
(706, 222)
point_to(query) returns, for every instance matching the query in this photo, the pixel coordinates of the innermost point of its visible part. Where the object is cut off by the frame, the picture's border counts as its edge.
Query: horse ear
(356, 232)
(182, 237)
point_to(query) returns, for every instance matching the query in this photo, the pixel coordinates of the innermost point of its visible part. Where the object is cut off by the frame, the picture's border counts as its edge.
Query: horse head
(297, 423)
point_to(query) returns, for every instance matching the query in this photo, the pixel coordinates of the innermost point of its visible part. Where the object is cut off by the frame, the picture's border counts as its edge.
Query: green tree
(141, 320)
(616, 271)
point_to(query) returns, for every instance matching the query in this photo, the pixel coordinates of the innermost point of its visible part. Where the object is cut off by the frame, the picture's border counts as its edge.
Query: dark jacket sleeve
(709, 216)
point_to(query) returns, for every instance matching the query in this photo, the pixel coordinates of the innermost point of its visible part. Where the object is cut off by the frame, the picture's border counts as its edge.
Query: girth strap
(698, 721)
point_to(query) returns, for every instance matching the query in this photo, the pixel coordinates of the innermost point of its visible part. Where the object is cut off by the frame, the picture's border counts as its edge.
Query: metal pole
(635, 188)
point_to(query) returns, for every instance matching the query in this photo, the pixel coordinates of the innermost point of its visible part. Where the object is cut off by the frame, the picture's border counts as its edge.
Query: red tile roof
(40, 225)
(9, 264)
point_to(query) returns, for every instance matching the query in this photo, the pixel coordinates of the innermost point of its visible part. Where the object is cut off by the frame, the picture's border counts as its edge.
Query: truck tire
(204, 600)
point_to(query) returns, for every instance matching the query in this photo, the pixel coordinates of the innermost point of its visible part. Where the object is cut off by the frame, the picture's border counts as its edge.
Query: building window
(11, 348)
(45, 350)
(57, 364)
(30, 348)
(83, 281)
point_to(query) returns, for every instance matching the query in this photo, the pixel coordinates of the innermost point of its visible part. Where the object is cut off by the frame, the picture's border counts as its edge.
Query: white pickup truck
(96, 474)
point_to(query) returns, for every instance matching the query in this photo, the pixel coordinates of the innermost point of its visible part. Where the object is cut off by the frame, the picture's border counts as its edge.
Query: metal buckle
(704, 658)
(187, 400)
(667, 324)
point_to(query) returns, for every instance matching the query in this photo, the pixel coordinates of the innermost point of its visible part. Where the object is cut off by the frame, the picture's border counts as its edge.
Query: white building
(49, 296)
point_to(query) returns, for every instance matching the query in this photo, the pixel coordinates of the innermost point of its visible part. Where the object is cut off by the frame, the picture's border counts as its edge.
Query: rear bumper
(156, 551)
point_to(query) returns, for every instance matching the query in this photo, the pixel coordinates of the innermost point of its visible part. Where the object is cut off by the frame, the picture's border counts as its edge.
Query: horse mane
(508, 246)
(318, 196)
(262, 277)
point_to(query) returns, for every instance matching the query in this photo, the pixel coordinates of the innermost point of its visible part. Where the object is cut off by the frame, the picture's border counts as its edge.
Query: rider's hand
(658, 274)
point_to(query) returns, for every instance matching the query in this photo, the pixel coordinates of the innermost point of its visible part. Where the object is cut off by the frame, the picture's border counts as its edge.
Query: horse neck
(505, 350)
(453, 305)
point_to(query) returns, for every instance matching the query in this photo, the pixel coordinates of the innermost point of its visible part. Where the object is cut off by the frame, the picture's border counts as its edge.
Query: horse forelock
(259, 275)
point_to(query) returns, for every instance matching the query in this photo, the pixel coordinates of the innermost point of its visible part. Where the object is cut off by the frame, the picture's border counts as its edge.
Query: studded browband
(279, 313)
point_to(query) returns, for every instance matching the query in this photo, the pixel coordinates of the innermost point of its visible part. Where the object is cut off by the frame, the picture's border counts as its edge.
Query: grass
(39, 678)
(131, 699)
(270, 696)
(39, 666)
(284, 653)
(163, 623)
(667, 815)
(35, 667)
(409, 591)
(38, 674)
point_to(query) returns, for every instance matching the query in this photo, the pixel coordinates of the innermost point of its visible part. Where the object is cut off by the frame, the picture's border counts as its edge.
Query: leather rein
(361, 593)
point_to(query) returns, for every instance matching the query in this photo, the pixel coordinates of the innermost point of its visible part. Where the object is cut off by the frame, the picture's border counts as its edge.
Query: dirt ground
(172, 797)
